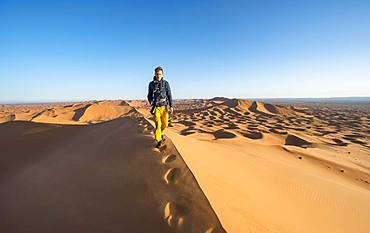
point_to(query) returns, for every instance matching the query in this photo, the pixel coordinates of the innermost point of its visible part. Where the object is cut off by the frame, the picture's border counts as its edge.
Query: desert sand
(91, 167)
(228, 165)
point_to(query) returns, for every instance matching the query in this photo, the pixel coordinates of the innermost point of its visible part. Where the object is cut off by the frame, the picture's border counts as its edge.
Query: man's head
(158, 73)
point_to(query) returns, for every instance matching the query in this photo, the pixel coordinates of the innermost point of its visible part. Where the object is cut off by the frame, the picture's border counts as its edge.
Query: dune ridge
(104, 177)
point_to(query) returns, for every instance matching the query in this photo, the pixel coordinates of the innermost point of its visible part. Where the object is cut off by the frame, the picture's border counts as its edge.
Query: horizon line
(367, 98)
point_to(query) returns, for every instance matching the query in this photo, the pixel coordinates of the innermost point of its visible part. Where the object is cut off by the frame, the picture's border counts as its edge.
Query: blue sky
(82, 50)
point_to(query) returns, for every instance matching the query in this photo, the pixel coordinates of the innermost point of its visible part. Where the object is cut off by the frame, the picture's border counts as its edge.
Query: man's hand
(171, 110)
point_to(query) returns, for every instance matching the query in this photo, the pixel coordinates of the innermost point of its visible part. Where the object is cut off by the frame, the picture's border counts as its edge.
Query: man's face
(159, 74)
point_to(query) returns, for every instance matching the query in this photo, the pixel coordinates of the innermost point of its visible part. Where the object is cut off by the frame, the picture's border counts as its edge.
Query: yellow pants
(161, 121)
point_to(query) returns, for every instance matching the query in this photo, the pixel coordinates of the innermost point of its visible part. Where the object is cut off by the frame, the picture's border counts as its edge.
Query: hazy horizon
(349, 99)
(78, 50)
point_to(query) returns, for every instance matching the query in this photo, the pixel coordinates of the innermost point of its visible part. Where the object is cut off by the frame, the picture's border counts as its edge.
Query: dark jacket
(159, 93)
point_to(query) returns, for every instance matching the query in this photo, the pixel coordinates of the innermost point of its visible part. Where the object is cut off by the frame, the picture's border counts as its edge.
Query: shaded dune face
(296, 141)
(223, 134)
(102, 177)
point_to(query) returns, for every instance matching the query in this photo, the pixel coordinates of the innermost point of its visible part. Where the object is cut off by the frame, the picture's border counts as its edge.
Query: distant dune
(231, 165)
(80, 113)
(259, 107)
(329, 100)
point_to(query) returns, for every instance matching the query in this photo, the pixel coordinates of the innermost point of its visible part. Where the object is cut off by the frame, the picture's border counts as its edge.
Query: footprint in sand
(173, 214)
(169, 158)
(171, 175)
(163, 148)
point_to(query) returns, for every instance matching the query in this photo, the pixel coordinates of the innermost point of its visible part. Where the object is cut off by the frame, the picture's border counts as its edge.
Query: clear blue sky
(80, 50)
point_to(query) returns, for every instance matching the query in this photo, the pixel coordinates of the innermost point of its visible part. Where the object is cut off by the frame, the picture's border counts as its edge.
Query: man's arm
(169, 95)
(150, 93)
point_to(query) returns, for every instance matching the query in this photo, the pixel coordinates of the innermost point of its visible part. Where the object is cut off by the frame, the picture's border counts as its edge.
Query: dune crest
(70, 114)
(104, 111)
(259, 107)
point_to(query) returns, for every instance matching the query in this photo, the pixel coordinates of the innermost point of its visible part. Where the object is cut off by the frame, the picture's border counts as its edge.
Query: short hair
(158, 69)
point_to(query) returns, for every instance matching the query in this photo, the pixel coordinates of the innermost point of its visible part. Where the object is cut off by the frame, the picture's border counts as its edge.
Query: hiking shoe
(159, 144)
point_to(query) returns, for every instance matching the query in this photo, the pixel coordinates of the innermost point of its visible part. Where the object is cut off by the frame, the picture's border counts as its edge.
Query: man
(160, 98)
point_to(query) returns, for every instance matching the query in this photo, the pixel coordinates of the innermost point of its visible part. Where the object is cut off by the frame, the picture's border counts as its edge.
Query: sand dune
(259, 107)
(98, 178)
(278, 168)
(233, 164)
(71, 114)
